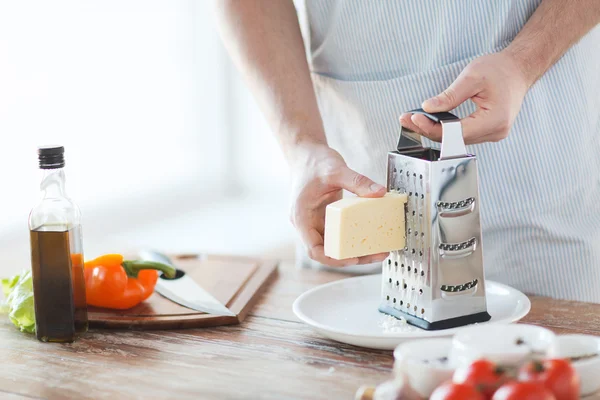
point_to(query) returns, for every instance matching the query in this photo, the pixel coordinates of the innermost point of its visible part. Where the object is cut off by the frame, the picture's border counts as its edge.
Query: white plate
(346, 311)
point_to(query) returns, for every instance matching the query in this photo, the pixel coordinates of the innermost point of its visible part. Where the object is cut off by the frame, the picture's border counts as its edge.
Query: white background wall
(164, 145)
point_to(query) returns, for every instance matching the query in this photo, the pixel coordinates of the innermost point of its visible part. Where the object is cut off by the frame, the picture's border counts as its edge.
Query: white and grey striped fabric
(540, 187)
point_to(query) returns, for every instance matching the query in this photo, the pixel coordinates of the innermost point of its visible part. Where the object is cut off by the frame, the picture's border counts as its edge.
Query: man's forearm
(264, 40)
(553, 28)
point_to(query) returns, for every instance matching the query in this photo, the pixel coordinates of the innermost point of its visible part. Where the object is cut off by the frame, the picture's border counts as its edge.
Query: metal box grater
(437, 280)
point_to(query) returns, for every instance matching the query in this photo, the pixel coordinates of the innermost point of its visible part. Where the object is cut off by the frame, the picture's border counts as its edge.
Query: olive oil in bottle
(57, 256)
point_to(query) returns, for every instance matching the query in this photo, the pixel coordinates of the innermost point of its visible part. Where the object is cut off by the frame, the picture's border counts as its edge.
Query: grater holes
(388, 298)
(401, 302)
(457, 246)
(415, 308)
(455, 205)
(459, 288)
(420, 291)
(390, 280)
(405, 285)
(422, 311)
(407, 305)
(422, 273)
(394, 299)
(408, 269)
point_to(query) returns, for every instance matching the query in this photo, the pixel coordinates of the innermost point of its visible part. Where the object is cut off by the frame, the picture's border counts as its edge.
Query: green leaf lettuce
(19, 306)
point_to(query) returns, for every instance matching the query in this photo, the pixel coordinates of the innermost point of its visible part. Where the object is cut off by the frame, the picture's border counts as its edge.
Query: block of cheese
(359, 226)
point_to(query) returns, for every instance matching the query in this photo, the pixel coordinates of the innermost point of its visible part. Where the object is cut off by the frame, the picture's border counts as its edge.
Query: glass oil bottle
(57, 255)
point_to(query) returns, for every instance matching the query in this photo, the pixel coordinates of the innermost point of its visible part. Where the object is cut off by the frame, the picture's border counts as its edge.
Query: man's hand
(496, 84)
(265, 41)
(319, 174)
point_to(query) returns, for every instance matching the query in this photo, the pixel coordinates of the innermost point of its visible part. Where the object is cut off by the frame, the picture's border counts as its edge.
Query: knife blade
(184, 290)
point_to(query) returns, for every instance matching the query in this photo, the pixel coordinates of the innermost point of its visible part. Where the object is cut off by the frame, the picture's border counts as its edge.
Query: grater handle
(453, 144)
(435, 117)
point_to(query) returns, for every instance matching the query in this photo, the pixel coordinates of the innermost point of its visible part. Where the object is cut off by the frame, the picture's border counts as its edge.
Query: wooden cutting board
(235, 281)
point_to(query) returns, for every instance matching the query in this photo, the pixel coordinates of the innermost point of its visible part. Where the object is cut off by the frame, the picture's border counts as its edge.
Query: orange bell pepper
(112, 282)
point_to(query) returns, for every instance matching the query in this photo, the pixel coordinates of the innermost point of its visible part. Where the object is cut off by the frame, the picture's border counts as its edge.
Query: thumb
(360, 185)
(463, 88)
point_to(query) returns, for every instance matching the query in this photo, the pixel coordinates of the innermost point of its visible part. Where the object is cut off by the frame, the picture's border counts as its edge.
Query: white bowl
(420, 362)
(508, 344)
(588, 369)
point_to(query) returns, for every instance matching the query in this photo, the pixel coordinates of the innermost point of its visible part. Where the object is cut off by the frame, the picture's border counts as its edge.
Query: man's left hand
(496, 83)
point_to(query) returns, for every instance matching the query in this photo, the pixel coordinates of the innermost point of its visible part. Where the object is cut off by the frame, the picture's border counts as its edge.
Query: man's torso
(371, 61)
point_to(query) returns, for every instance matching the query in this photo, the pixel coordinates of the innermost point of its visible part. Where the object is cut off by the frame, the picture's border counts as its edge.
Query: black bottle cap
(51, 157)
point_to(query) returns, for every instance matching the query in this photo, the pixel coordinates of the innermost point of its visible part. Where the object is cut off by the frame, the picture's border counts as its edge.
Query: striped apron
(540, 188)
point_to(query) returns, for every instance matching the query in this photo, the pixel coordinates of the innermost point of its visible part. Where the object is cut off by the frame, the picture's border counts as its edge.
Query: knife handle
(178, 274)
(151, 255)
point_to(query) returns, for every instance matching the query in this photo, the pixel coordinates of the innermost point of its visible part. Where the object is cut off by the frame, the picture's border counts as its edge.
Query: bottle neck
(53, 183)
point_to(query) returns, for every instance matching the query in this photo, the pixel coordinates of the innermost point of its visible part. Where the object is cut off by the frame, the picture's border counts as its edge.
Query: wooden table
(270, 356)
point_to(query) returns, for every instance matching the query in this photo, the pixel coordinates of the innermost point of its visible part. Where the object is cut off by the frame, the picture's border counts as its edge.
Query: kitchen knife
(184, 290)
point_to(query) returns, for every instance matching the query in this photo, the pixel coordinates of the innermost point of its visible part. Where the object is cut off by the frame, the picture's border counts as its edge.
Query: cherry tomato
(483, 374)
(557, 375)
(456, 391)
(523, 391)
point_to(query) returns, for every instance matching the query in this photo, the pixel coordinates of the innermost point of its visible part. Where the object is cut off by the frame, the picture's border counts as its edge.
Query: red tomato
(483, 374)
(557, 375)
(523, 391)
(456, 391)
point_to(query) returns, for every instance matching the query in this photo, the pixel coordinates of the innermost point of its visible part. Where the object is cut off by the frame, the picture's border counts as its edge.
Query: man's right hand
(319, 174)
(265, 41)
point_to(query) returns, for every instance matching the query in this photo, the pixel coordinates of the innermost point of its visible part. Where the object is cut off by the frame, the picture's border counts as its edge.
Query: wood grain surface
(270, 355)
(236, 282)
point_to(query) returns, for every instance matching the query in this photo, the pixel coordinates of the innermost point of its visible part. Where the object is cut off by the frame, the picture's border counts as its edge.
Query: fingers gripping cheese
(360, 226)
